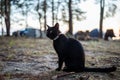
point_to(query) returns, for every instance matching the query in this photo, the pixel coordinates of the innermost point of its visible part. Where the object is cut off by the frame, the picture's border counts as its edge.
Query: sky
(91, 22)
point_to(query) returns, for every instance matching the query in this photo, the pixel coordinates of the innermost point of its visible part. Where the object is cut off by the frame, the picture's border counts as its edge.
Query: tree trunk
(7, 16)
(40, 27)
(45, 15)
(52, 12)
(70, 31)
(1, 17)
(57, 10)
(102, 3)
(39, 18)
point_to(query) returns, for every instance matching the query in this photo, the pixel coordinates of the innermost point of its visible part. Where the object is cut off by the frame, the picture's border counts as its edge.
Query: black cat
(71, 52)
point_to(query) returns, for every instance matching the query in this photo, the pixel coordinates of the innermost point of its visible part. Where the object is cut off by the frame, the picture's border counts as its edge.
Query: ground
(35, 59)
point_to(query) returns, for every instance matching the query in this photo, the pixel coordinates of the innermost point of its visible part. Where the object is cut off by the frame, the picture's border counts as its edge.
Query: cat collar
(57, 37)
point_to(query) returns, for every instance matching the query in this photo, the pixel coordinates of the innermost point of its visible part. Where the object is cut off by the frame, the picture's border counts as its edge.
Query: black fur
(71, 52)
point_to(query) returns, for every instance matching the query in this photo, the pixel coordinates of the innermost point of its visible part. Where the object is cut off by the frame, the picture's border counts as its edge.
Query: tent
(94, 33)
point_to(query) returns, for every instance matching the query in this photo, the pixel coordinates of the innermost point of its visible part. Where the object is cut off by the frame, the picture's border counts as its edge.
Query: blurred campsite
(20, 17)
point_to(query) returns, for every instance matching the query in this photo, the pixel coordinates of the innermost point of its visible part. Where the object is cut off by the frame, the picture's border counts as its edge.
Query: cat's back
(75, 45)
(74, 42)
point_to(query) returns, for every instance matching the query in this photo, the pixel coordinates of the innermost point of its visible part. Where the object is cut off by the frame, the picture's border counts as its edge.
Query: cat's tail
(107, 69)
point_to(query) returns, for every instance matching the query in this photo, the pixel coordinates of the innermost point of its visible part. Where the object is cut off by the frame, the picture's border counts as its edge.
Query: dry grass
(102, 46)
(98, 53)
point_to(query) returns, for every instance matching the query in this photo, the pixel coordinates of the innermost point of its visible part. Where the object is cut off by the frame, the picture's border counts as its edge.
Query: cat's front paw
(66, 69)
(58, 69)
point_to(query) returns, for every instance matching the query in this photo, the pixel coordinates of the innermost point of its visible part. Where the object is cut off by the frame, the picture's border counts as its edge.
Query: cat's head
(53, 32)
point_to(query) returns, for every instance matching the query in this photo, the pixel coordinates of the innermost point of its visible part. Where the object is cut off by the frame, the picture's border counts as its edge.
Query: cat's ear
(48, 26)
(57, 25)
